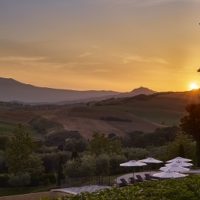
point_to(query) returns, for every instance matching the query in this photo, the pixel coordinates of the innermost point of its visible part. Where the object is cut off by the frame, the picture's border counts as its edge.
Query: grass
(152, 112)
(6, 128)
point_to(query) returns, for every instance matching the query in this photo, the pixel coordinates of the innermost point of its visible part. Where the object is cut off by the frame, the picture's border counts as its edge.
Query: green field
(6, 128)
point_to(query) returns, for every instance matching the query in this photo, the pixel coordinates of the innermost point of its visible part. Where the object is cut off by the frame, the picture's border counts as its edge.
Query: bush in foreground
(182, 189)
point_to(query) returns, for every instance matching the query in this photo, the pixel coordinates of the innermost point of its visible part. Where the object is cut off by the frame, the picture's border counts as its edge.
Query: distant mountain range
(12, 90)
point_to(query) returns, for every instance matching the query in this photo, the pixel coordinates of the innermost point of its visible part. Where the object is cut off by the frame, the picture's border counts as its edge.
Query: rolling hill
(115, 115)
(15, 91)
(12, 90)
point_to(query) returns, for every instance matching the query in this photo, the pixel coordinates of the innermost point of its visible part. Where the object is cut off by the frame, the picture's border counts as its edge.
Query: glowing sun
(193, 86)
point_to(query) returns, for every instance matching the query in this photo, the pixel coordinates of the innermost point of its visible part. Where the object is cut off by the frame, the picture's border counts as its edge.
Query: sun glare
(193, 86)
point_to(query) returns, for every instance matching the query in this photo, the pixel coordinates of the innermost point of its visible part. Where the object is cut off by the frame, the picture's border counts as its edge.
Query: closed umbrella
(169, 174)
(179, 159)
(174, 168)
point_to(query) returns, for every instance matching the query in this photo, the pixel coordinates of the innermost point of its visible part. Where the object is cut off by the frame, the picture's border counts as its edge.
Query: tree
(101, 144)
(19, 154)
(102, 165)
(98, 144)
(183, 146)
(84, 167)
(3, 142)
(190, 124)
(135, 153)
(75, 145)
(115, 161)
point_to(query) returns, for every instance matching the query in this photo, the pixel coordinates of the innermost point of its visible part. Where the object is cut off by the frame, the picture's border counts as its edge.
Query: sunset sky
(101, 44)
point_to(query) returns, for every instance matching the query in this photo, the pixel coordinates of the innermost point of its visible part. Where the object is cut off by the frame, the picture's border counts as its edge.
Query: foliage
(75, 144)
(160, 153)
(46, 149)
(102, 165)
(159, 137)
(135, 153)
(6, 128)
(80, 168)
(183, 189)
(47, 179)
(3, 142)
(182, 146)
(19, 151)
(50, 160)
(101, 144)
(4, 180)
(58, 138)
(20, 180)
(89, 165)
(43, 125)
(20, 158)
(190, 124)
(2, 162)
(35, 165)
(115, 161)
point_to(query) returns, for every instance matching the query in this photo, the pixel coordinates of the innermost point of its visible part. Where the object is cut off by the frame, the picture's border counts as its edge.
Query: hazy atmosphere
(101, 44)
(99, 99)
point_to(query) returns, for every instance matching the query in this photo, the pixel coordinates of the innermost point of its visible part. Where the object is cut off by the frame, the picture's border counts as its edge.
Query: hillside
(117, 115)
(16, 91)
(136, 92)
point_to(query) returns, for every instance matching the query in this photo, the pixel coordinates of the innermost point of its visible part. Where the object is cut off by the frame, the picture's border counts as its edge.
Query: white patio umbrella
(169, 174)
(179, 159)
(182, 164)
(133, 163)
(174, 168)
(151, 160)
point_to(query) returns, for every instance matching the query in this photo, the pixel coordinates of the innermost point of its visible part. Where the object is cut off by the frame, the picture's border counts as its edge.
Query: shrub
(47, 179)
(102, 165)
(135, 153)
(2, 162)
(182, 146)
(51, 160)
(80, 168)
(72, 169)
(115, 161)
(43, 125)
(4, 178)
(20, 180)
(3, 142)
(184, 189)
(58, 138)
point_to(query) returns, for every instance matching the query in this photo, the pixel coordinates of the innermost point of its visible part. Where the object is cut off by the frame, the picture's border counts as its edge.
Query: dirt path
(30, 196)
